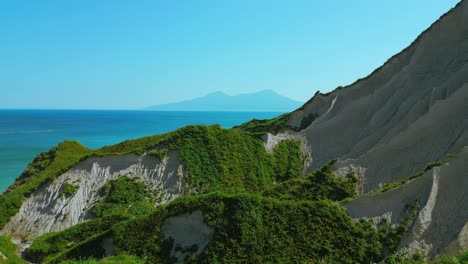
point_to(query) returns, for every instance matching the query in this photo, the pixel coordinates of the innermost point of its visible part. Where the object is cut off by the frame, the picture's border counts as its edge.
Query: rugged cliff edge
(406, 114)
(440, 226)
(368, 172)
(49, 209)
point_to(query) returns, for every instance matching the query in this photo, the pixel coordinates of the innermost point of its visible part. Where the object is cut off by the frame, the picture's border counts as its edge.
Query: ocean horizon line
(139, 110)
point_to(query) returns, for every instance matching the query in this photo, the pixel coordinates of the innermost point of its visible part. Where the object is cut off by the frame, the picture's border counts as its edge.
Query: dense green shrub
(321, 184)
(307, 121)
(214, 158)
(158, 153)
(458, 259)
(287, 160)
(260, 127)
(390, 237)
(7, 250)
(66, 155)
(39, 163)
(261, 208)
(51, 245)
(124, 196)
(69, 190)
(122, 259)
(461, 258)
(253, 229)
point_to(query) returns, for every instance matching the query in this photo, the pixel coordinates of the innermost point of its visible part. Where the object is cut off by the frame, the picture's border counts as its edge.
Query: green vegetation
(391, 236)
(218, 159)
(124, 196)
(39, 164)
(261, 208)
(66, 155)
(287, 160)
(276, 125)
(158, 153)
(254, 229)
(392, 185)
(121, 199)
(215, 159)
(307, 120)
(418, 259)
(7, 250)
(458, 259)
(51, 247)
(122, 259)
(319, 185)
(69, 190)
(260, 127)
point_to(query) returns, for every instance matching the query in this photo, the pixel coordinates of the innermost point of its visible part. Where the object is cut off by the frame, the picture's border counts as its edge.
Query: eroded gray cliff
(410, 112)
(48, 210)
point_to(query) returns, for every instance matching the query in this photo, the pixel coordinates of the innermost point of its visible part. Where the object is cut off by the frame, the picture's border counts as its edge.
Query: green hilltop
(261, 208)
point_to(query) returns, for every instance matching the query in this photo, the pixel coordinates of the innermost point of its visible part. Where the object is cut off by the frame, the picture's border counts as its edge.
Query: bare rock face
(189, 233)
(49, 210)
(408, 113)
(441, 224)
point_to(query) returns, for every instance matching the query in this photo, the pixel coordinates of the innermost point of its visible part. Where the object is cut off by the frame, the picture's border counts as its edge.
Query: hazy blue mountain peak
(265, 100)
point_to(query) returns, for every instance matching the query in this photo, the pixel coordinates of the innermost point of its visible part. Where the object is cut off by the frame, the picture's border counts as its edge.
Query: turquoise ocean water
(26, 133)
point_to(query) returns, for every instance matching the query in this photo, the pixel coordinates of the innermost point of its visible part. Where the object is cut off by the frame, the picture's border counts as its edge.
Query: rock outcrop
(408, 113)
(190, 234)
(441, 223)
(48, 209)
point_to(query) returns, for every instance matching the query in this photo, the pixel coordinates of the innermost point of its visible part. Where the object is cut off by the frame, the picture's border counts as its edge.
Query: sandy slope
(441, 224)
(410, 112)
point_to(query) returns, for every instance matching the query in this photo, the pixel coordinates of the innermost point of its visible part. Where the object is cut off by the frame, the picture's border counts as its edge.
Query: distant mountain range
(266, 100)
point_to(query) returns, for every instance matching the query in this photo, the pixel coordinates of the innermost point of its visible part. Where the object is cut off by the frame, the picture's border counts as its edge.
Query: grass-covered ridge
(276, 125)
(66, 155)
(253, 229)
(216, 158)
(231, 160)
(259, 127)
(261, 208)
(53, 247)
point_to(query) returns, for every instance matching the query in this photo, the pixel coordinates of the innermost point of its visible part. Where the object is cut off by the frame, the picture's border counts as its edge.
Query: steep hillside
(376, 171)
(406, 114)
(441, 226)
(389, 126)
(191, 160)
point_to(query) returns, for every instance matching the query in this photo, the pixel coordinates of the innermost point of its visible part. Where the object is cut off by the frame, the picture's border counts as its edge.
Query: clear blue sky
(110, 54)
